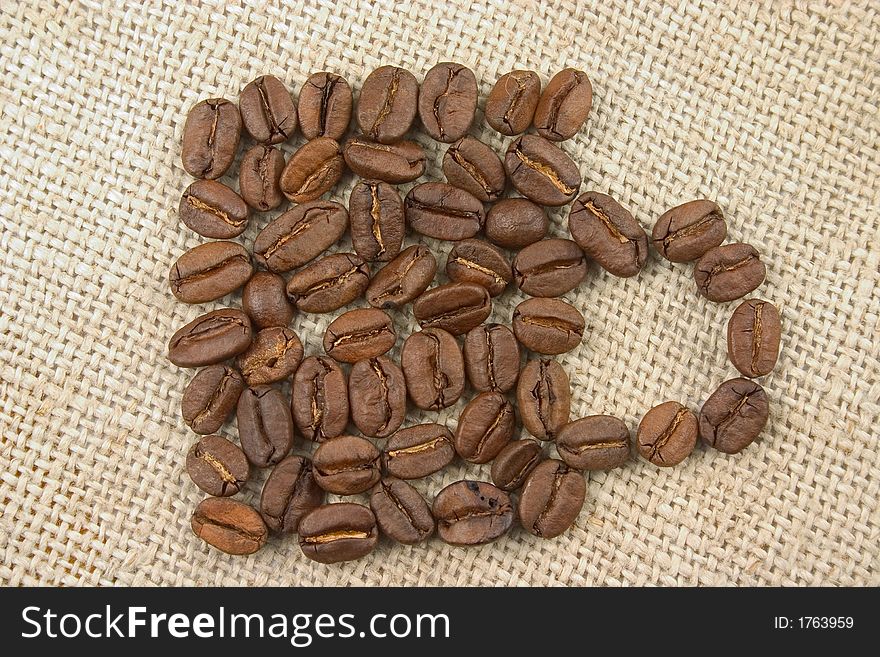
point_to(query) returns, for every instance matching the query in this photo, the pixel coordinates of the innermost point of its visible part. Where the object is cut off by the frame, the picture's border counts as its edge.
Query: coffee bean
(447, 101)
(387, 104)
(397, 163)
(329, 283)
(300, 235)
(210, 338)
(289, 493)
(551, 499)
(229, 525)
(325, 102)
(478, 262)
(729, 272)
(313, 170)
(543, 397)
(403, 279)
(564, 105)
(375, 210)
(320, 398)
(515, 462)
(515, 223)
(444, 212)
(401, 512)
(259, 177)
(434, 369)
(274, 355)
(359, 334)
(267, 110)
(346, 465)
(550, 268)
(454, 307)
(377, 393)
(548, 326)
(213, 210)
(485, 426)
(217, 466)
(491, 358)
(210, 138)
(596, 442)
(734, 415)
(608, 233)
(418, 451)
(473, 166)
(511, 104)
(210, 397)
(265, 428)
(264, 299)
(541, 171)
(753, 334)
(667, 434)
(687, 231)
(472, 513)
(210, 271)
(338, 532)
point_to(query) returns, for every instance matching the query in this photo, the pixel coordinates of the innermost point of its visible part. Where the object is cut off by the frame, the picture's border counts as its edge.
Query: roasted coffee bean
(265, 301)
(729, 272)
(377, 394)
(320, 398)
(267, 110)
(300, 235)
(511, 104)
(359, 334)
(667, 434)
(434, 369)
(596, 442)
(608, 233)
(274, 355)
(473, 166)
(346, 465)
(329, 283)
(325, 102)
(564, 105)
(472, 513)
(210, 271)
(338, 532)
(447, 101)
(229, 525)
(397, 163)
(401, 512)
(387, 104)
(210, 397)
(418, 451)
(403, 279)
(687, 231)
(485, 426)
(515, 223)
(491, 358)
(210, 338)
(454, 307)
(551, 499)
(217, 466)
(213, 210)
(550, 268)
(444, 212)
(265, 427)
(543, 397)
(548, 326)
(515, 462)
(313, 170)
(541, 171)
(289, 493)
(210, 138)
(481, 263)
(259, 177)
(375, 210)
(753, 334)
(734, 415)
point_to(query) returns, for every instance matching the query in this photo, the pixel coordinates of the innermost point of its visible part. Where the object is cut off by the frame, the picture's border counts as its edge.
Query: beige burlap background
(772, 111)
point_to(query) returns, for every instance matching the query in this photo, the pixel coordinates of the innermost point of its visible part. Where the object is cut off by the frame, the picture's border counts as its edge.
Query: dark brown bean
(473, 166)
(515, 462)
(346, 465)
(338, 532)
(687, 231)
(550, 268)
(403, 279)
(210, 271)
(397, 163)
(229, 525)
(300, 235)
(289, 493)
(329, 283)
(210, 138)
(472, 513)
(541, 171)
(608, 233)
(753, 335)
(454, 307)
(387, 104)
(265, 301)
(596, 442)
(359, 334)
(377, 394)
(274, 355)
(267, 110)
(434, 369)
(729, 272)
(444, 212)
(491, 358)
(210, 397)
(313, 170)
(320, 398)
(543, 397)
(217, 466)
(213, 210)
(515, 223)
(418, 451)
(481, 263)
(548, 326)
(485, 426)
(564, 105)
(551, 499)
(511, 104)
(667, 434)
(401, 512)
(265, 427)
(210, 338)
(448, 101)
(325, 102)
(734, 415)
(259, 177)
(375, 211)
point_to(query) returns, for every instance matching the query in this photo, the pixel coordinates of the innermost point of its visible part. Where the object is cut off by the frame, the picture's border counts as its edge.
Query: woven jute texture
(773, 111)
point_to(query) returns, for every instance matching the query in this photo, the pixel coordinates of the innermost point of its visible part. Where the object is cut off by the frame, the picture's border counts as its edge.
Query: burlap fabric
(772, 110)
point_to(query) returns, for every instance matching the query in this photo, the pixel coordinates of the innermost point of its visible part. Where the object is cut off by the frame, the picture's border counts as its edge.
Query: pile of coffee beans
(350, 402)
